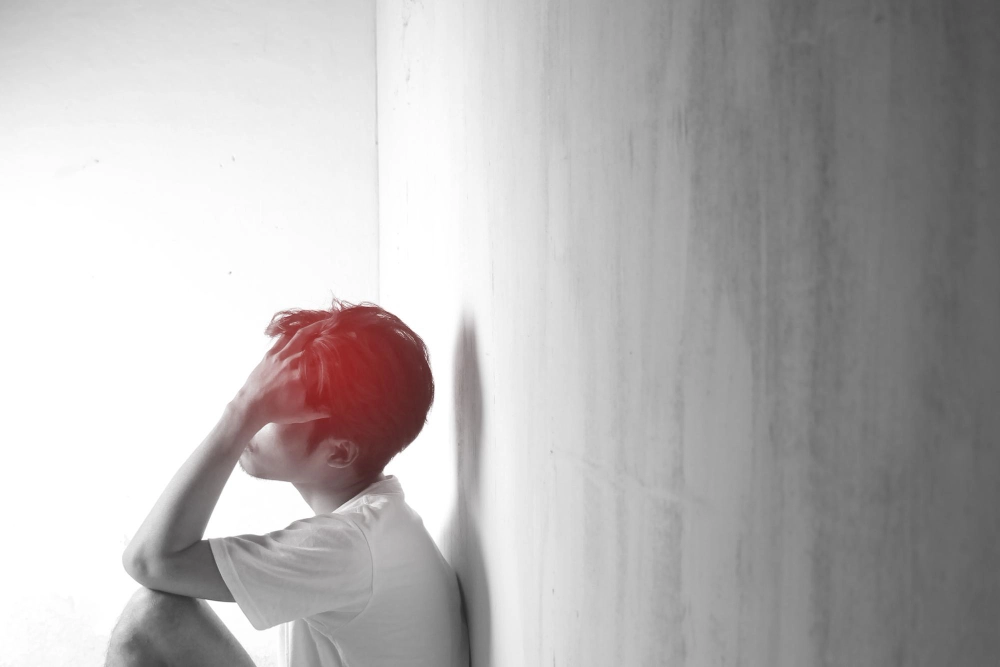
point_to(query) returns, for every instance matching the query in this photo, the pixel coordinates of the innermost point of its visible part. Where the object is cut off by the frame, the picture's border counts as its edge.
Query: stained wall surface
(712, 292)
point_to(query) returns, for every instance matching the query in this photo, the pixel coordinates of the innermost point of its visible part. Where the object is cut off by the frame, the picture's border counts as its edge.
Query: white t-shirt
(361, 586)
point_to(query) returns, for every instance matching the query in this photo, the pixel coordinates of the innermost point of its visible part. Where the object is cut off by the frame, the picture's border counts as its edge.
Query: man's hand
(273, 393)
(274, 390)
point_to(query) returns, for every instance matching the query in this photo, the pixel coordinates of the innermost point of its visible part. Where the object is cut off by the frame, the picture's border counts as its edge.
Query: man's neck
(323, 499)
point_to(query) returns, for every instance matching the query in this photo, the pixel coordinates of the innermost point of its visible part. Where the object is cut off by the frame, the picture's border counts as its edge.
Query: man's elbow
(132, 565)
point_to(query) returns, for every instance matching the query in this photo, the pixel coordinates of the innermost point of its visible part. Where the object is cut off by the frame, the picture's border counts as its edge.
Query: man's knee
(127, 648)
(154, 622)
(151, 613)
(134, 637)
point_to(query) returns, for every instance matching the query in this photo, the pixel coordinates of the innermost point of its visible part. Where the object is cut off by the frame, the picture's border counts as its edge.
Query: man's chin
(240, 462)
(253, 474)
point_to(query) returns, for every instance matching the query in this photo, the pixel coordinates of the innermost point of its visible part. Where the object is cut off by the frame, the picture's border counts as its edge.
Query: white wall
(711, 288)
(171, 174)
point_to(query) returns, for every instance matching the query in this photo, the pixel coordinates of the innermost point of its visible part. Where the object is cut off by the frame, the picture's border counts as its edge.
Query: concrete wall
(711, 290)
(171, 174)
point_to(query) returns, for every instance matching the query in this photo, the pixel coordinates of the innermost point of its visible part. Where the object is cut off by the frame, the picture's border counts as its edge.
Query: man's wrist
(246, 412)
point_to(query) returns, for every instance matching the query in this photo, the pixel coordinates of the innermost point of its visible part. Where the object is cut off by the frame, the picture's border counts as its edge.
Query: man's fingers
(299, 340)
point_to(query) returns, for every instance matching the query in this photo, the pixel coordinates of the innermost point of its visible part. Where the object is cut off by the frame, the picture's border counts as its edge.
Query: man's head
(369, 371)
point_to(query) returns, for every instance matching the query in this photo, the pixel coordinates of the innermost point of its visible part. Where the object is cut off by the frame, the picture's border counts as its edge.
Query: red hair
(367, 369)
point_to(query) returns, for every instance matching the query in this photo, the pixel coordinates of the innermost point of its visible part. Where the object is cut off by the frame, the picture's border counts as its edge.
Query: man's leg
(159, 629)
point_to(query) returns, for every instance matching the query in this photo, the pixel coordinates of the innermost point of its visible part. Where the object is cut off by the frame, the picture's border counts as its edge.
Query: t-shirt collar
(388, 485)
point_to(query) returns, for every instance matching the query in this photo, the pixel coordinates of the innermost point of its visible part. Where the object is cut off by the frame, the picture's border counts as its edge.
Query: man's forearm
(179, 517)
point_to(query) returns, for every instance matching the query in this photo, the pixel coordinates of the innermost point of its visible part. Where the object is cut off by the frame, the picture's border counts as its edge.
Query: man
(360, 583)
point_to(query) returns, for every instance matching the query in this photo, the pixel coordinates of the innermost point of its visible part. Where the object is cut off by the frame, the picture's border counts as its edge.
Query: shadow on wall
(463, 539)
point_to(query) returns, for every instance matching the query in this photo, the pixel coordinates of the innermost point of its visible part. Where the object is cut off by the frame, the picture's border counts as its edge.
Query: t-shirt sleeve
(314, 565)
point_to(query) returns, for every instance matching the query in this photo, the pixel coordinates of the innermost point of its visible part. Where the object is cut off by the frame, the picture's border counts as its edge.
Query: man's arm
(168, 549)
(192, 573)
(178, 519)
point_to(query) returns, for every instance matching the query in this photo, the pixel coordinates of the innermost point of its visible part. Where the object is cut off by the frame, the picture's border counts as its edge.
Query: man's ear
(341, 453)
